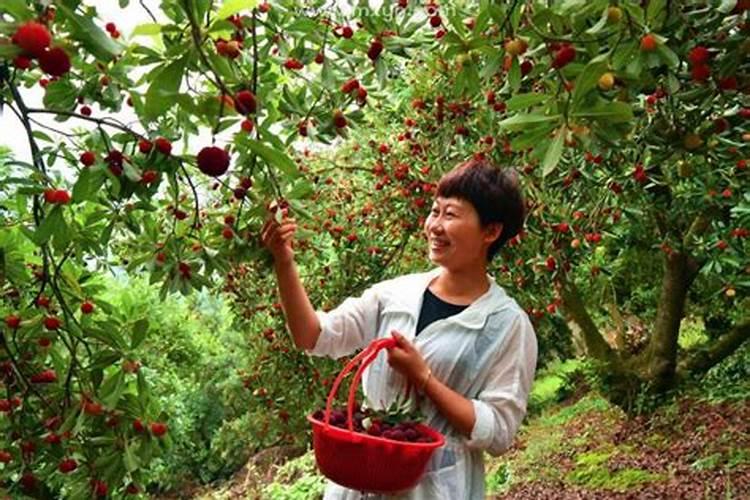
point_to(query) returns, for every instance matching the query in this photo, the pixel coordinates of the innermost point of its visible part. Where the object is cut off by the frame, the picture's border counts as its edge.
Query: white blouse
(487, 353)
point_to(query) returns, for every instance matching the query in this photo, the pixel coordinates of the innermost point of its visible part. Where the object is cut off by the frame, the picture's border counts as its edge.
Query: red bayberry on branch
(145, 146)
(5, 457)
(52, 323)
(564, 56)
(227, 233)
(158, 429)
(56, 196)
(245, 102)
(67, 465)
(319, 58)
(13, 321)
(550, 264)
(87, 307)
(87, 158)
(648, 43)
(339, 120)
(138, 426)
(435, 21)
(85, 110)
(100, 488)
(28, 481)
(92, 408)
(55, 62)
(45, 377)
(700, 72)
(33, 38)
(361, 96)
(376, 47)
(22, 62)
(699, 55)
(213, 161)
(294, 64)
(350, 85)
(728, 83)
(184, 269)
(149, 176)
(163, 146)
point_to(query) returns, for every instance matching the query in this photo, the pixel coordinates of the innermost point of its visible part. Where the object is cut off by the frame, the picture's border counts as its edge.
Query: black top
(435, 308)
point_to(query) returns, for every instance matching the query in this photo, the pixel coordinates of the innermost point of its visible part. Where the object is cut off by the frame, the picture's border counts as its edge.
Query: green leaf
(140, 329)
(9, 51)
(274, 157)
(520, 121)
(514, 75)
(231, 7)
(146, 29)
(130, 458)
(61, 95)
(668, 56)
(164, 87)
(112, 389)
(521, 101)
(656, 13)
(611, 112)
(554, 152)
(88, 184)
(19, 9)
(93, 38)
(48, 226)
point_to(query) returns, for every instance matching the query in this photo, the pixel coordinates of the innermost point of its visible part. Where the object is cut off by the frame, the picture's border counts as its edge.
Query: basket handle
(367, 356)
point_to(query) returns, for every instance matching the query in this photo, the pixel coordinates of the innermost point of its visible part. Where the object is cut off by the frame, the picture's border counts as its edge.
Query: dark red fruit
(163, 146)
(87, 307)
(55, 62)
(158, 429)
(13, 321)
(244, 102)
(52, 323)
(67, 465)
(87, 158)
(213, 161)
(145, 146)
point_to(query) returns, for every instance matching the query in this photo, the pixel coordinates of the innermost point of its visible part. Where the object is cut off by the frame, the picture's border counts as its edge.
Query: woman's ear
(493, 232)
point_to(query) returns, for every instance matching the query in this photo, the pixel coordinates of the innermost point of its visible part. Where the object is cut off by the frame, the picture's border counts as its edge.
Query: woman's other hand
(406, 359)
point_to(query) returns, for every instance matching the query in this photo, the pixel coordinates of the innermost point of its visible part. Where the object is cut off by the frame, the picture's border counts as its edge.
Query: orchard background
(143, 346)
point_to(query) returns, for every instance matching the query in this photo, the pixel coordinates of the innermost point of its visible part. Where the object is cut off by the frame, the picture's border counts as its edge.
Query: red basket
(363, 462)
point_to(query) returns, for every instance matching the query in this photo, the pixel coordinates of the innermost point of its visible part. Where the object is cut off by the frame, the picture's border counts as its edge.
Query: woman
(465, 344)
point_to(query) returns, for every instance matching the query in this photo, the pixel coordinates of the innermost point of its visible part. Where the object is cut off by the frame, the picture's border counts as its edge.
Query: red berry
(247, 126)
(376, 47)
(319, 58)
(163, 146)
(227, 233)
(87, 158)
(292, 63)
(110, 27)
(264, 7)
(5, 457)
(45, 377)
(138, 426)
(93, 409)
(728, 83)
(67, 465)
(158, 429)
(350, 85)
(213, 161)
(13, 321)
(244, 102)
(145, 146)
(87, 307)
(28, 481)
(33, 38)
(55, 62)
(339, 120)
(648, 43)
(100, 488)
(22, 62)
(435, 21)
(347, 32)
(85, 110)
(699, 55)
(149, 176)
(565, 55)
(52, 323)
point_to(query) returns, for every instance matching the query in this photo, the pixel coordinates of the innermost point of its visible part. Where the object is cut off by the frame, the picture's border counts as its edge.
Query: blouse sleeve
(349, 327)
(501, 405)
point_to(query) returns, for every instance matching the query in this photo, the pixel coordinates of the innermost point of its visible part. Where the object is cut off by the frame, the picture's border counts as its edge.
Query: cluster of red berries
(35, 41)
(365, 421)
(56, 196)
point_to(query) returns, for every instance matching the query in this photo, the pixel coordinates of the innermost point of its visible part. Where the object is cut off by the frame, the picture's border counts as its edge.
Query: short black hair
(495, 194)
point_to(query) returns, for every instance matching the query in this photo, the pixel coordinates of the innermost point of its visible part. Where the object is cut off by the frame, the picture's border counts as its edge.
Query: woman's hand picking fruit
(278, 238)
(406, 359)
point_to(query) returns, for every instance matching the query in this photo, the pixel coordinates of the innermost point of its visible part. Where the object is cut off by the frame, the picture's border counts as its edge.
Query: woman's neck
(461, 285)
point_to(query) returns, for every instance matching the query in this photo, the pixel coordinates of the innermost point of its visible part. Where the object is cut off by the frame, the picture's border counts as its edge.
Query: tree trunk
(596, 346)
(659, 361)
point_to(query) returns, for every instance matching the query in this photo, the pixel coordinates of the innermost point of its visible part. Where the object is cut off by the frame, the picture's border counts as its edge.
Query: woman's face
(455, 238)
